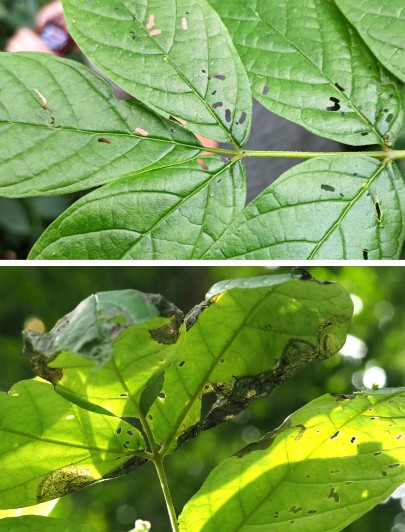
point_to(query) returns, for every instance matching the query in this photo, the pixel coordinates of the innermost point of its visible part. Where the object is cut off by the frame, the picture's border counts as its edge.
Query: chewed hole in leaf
(162, 395)
(105, 140)
(335, 435)
(219, 76)
(184, 23)
(217, 104)
(265, 90)
(181, 364)
(142, 132)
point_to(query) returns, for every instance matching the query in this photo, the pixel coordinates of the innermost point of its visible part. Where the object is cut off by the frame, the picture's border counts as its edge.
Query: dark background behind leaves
(47, 293)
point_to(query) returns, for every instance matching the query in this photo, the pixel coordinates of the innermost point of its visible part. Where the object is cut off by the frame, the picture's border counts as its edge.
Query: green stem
(158, 462)
(383, 154)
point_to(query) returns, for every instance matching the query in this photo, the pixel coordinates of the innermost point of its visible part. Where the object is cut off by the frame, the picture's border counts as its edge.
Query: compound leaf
(328, 464)
(242, 343)
(34, 523)
(110, 351)
(307, 64)
(62, 130)
(182, 62)
(72, 447)
(381, 23)
(326, 208)
(175, 213)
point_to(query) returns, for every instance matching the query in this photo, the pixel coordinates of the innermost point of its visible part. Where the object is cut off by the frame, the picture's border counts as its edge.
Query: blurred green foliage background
(377, 341)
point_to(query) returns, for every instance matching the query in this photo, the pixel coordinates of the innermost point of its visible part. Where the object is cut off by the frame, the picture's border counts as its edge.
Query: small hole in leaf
(312, 511)
(334, 494)
(384, 473)
(265, 90)
(155, 32)
(364, 133)
(119, 430)
(182, 363)
(213, 93)
(129, 432)
(150, 417)
(353, 439)
(389, 117)
(228, 115)
(242, 118)
(339, 87)
(125, 446)
(142, 132)
(162, 395)
(217, 104)
(103, 139)
(204, 71)
(399, 437)
(391, 466)
(151, 22)
(295, 509)
(184, 23)
(377, 453)
(123, 394)
(335, 435)
(172, 130)
(222, 360)
(365, 254)
(127, 442)
(218, 76)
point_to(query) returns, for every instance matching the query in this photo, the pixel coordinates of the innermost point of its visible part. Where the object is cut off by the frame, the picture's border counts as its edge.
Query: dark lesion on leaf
(39, 362)
(169, 333)
(63, 481)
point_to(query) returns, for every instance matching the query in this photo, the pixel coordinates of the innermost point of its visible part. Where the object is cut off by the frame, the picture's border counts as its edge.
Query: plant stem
(383, 154)
(158, 462)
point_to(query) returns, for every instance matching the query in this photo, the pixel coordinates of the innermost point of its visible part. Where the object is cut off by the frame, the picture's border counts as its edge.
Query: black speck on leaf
(339, 87)
(391, 466)
(384, 473)
(365, 254)
(353, 439)
(377, 453)
(335, 106)
(182, 363)
(334, 435)
(106, 141)
(378, 213)
(364, 133)
(119, 430)
(329, 188)
(129, 432)
(213, 93)
(389, 117)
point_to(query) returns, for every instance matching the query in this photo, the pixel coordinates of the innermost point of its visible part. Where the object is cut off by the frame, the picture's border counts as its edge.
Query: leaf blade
(326, 197)
(54, 141)
(175, 213)
(381, 24)
(180, 39)
(308, 65)
(72, 447)
(286, 324)
(320, 447)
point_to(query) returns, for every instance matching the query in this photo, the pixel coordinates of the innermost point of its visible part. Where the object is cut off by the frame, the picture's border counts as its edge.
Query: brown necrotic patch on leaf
(63, 481)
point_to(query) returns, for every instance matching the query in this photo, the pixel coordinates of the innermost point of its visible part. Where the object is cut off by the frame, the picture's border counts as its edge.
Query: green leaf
(182, 61)
(72, 447)
(307, 64)
(328, 464)
(325, 208)
(62, 130)
(381, 23)
(175, 213)
(242, 343)
(34, 523)
(90, 329)
(119, 330)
